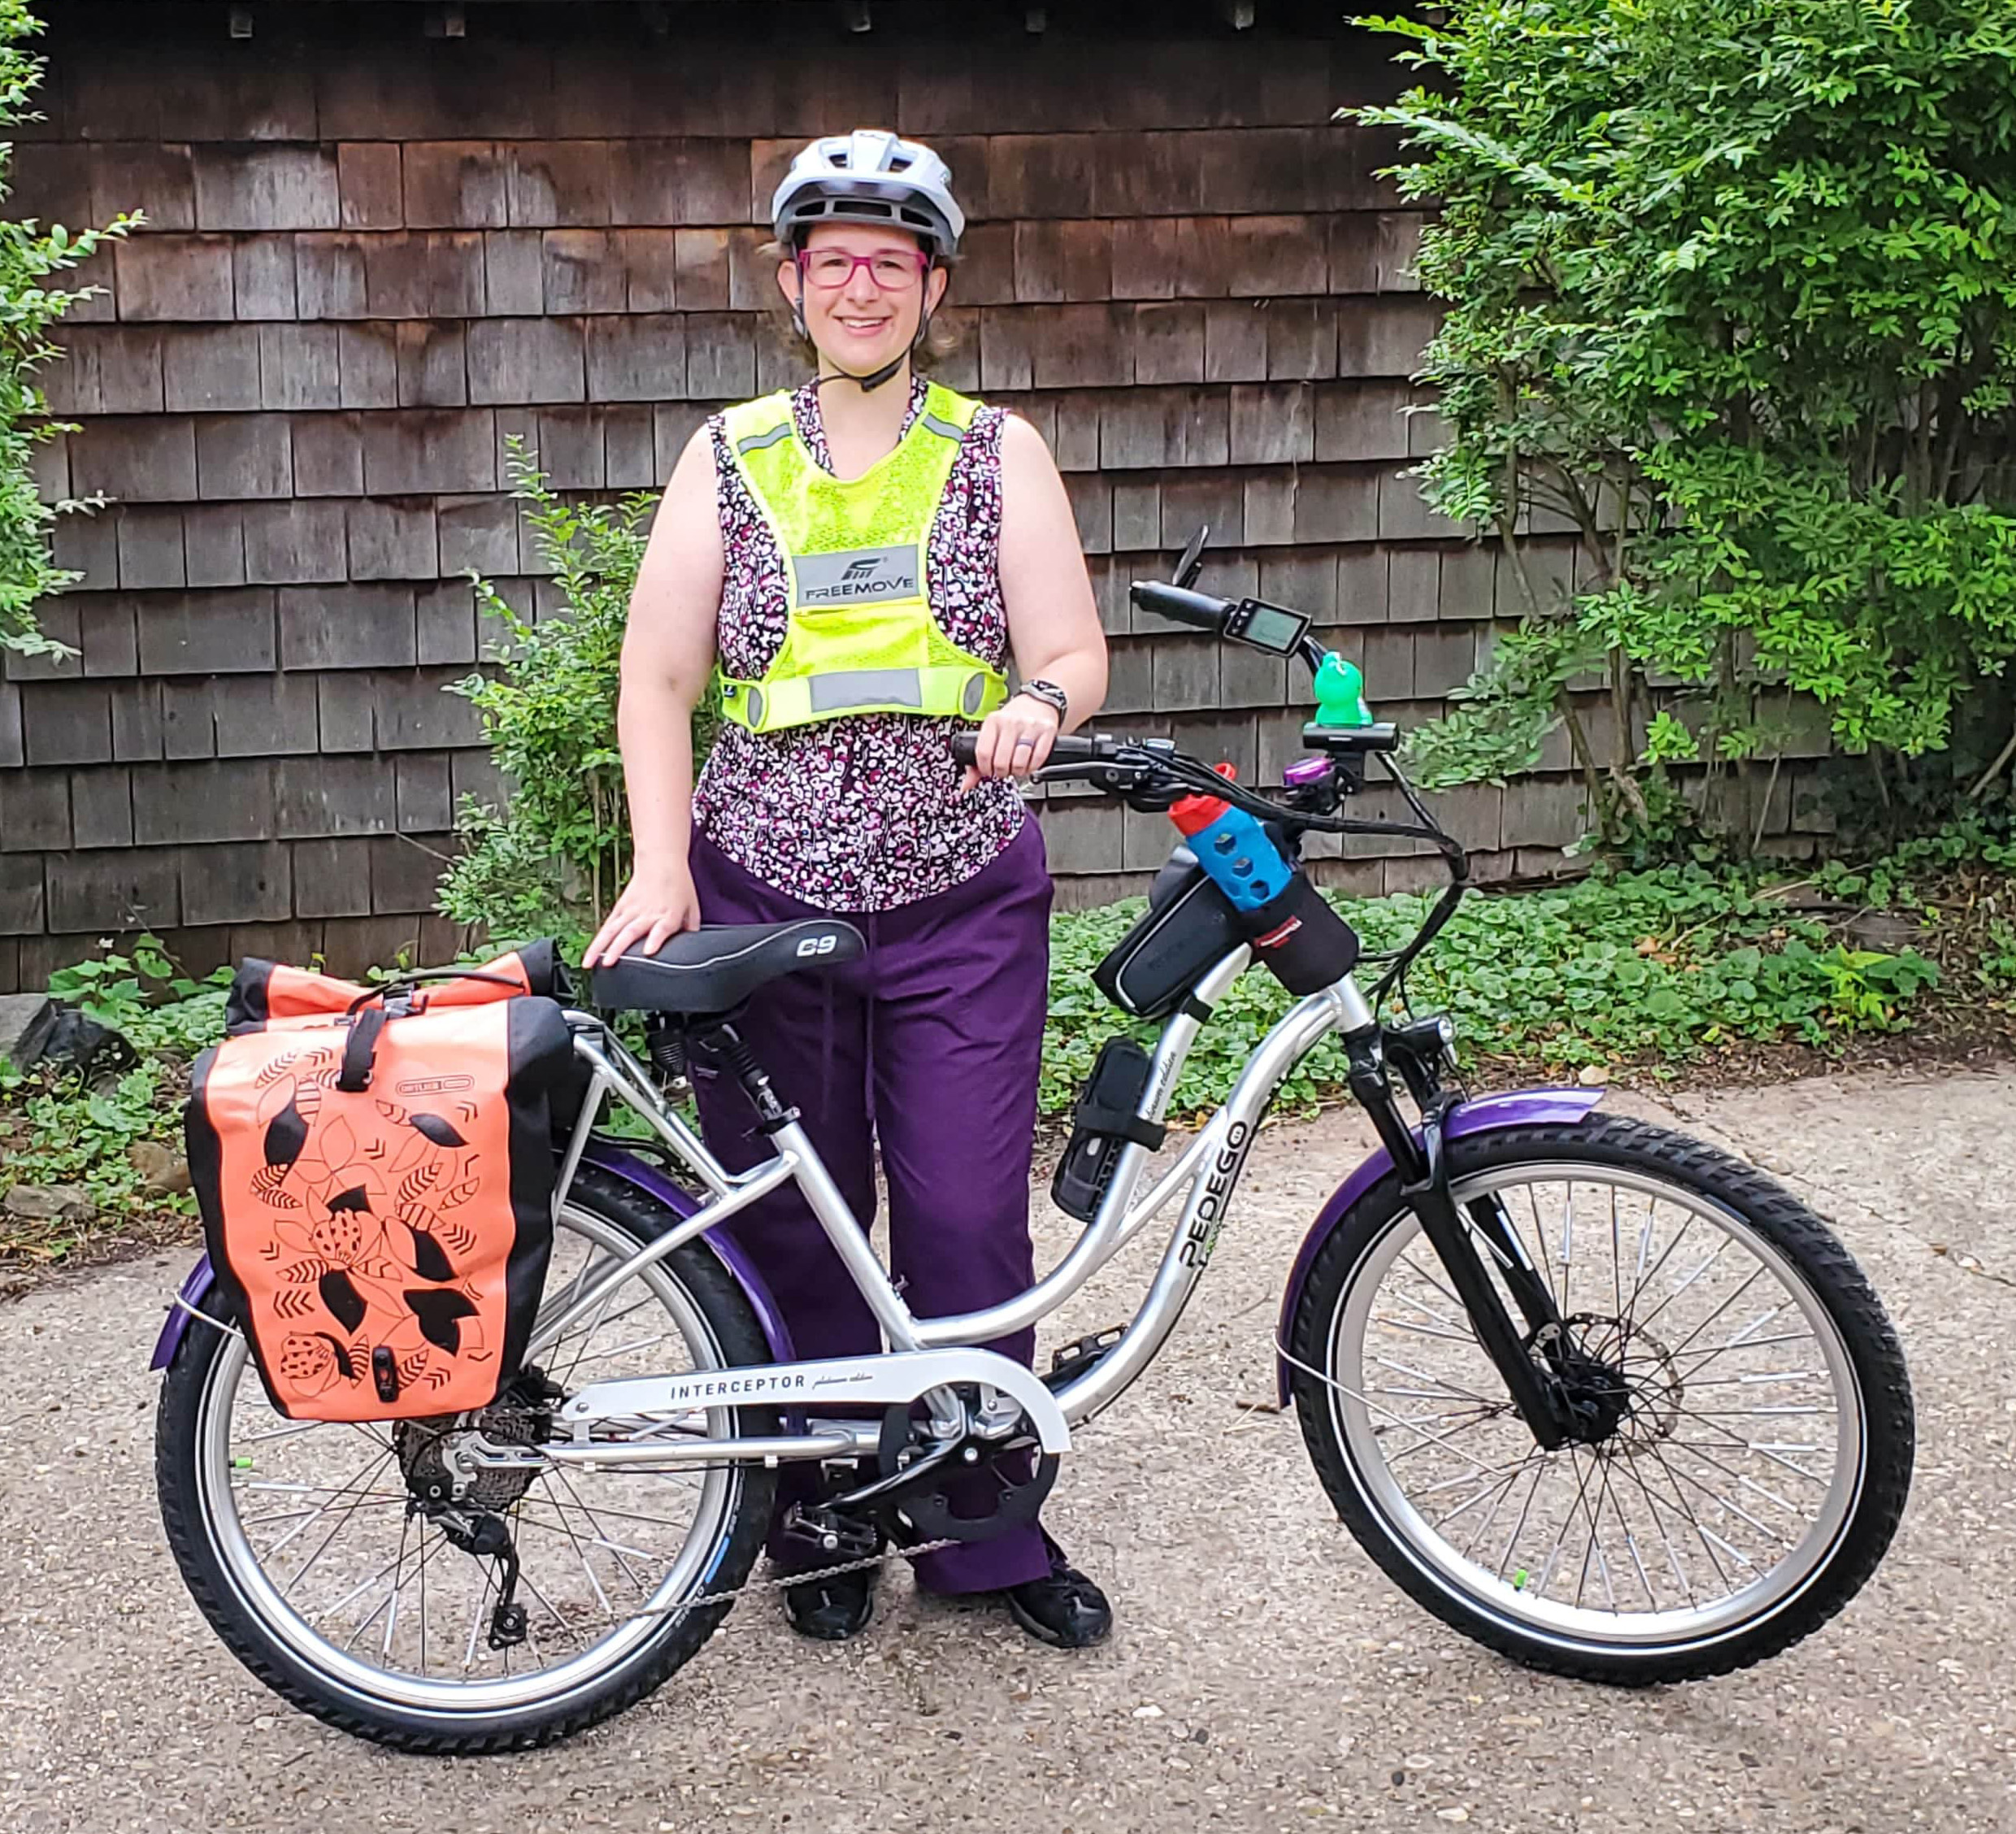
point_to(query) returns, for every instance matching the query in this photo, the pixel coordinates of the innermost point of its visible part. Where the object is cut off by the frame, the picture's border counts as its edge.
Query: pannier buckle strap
(355, 1074)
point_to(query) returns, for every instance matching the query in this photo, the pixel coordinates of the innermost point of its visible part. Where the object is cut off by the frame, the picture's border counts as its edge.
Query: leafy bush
(1660, 967)
(29, 254)
(553, 860)
(1732, 295)
(56, 1129)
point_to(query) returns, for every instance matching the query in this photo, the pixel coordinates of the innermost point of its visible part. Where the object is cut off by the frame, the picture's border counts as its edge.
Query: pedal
(829, 1534)
(1071, 1361)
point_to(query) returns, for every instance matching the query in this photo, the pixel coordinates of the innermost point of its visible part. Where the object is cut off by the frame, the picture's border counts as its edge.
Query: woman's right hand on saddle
(657, 905)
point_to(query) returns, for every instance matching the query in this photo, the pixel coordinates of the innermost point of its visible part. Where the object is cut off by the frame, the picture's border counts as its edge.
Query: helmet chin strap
(875, 378)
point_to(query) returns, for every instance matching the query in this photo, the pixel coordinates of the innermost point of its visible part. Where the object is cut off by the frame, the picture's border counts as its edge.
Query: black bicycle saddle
(715, 968)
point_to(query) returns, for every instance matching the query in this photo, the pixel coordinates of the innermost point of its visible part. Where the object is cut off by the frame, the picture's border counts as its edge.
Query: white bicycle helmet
(870, 177)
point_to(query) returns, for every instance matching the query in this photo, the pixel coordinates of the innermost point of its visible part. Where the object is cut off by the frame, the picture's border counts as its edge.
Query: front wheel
(1751, 1446)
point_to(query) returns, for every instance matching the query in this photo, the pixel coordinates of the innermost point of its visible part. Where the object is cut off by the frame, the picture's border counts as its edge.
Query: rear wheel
(1752, 1437)
(300, 1543)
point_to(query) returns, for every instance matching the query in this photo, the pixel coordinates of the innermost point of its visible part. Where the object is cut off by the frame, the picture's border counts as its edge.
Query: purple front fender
(632, 1171)
(1488, 1114)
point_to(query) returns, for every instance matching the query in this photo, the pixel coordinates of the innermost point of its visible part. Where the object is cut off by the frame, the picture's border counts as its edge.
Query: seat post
(724, 1041)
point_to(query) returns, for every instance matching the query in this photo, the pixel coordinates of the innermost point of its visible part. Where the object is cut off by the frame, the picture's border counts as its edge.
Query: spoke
(1758, 1380)
(1422, 1445)
(1630, 1540)
(1672, 1554)
(1511, 1483)
(571, 1634)
(1540, 1241)
(1743, 1480)
(1518, 1528)
(1705, 1356)
(1652, 1273)
(288, 1431)
(1679, 1508)
(1581, 1502)
(1617, 1261)
(592, 1540)
(1640, 1323)
(1567, 1246)
(1500, 1488)
(1757, 1274)
(1427, 1330)
(622, 1350)
(1419, 1273)
(475, 1624)
(1764, 1448)
(561, 1478)
(1422, 1376)
(367, 1472)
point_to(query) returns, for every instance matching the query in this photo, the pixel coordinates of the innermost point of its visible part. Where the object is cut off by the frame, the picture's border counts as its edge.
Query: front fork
(1424, 1166)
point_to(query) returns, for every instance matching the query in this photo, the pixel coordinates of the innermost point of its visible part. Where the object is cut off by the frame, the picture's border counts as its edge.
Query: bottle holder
(1300, 938)
(1105, 1120)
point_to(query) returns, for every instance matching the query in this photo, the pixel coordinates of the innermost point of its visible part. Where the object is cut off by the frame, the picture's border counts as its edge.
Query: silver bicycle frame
(1208, 1171)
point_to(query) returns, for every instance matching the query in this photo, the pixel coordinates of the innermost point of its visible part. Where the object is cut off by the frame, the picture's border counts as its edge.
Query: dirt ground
(1263, 1674)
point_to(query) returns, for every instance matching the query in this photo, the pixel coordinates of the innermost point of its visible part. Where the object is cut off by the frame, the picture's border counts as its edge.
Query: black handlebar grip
(1181, 606)
(1068, 748)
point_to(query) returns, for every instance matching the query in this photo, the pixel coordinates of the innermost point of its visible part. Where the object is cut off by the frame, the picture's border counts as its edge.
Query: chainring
(989, 1501)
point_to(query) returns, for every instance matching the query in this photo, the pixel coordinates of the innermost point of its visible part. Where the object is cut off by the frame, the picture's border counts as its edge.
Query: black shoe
(1063, 1607)
(831, 1610)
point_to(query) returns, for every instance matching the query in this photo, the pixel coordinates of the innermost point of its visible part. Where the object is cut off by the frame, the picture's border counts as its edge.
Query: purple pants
(930, 1044)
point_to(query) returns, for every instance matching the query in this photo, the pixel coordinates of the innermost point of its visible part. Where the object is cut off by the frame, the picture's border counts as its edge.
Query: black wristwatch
(1051, 696)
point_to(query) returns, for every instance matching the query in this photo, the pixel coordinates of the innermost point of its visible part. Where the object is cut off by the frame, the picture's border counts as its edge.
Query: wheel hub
(523, 1415)
(1622, 1389)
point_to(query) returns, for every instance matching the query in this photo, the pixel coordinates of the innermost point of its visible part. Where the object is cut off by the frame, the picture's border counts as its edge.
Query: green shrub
(1652, 967)
(553, 859)
(30, 252)
(1731, 296)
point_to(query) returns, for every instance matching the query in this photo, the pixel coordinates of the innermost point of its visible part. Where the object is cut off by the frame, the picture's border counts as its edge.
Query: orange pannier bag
(375, 1171)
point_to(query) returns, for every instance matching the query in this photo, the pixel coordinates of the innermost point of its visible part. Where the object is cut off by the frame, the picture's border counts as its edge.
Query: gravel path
(1264, 1674)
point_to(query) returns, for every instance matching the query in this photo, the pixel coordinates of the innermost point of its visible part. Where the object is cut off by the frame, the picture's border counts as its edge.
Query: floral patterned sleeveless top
(862, 812)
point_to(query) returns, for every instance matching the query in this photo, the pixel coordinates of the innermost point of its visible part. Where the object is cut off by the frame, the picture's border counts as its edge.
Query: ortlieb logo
(863, 576)
(435, 1085)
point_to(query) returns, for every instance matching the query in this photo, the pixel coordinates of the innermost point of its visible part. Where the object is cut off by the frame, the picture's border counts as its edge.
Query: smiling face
(864, 289)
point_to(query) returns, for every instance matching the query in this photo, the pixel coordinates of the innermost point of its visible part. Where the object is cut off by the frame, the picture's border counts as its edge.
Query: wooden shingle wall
(374, 256)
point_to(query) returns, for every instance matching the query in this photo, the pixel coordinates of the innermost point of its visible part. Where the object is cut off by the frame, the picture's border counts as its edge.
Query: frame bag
(375, 1171)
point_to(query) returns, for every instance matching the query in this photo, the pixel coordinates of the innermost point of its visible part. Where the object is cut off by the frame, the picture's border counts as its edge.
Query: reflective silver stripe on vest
(841, 689)
(944, 428)
(756, 442)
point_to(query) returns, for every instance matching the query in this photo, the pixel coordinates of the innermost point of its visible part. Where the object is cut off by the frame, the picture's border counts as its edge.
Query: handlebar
(1181, 606)
(1067, 748)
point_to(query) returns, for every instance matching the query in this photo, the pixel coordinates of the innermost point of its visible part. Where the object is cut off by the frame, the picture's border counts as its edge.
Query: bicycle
(1600, 1396)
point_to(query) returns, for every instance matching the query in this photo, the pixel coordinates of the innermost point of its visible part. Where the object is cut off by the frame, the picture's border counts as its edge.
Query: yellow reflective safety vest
(861, 638)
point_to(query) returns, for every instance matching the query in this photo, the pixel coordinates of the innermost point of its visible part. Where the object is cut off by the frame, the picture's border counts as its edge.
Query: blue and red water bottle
(1232, 847)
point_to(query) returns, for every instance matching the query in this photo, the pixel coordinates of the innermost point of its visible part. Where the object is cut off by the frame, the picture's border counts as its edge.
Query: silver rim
(1728, 1484)
(309, 1522)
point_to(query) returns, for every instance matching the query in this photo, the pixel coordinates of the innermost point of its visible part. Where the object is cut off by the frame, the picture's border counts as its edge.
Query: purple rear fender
(1488, 1114)
(632, 1171)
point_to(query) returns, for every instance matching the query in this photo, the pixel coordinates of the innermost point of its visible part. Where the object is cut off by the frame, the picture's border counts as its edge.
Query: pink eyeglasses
(891, 270)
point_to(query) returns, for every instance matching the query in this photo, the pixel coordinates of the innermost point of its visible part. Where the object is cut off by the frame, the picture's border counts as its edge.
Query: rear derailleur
(487, 1537)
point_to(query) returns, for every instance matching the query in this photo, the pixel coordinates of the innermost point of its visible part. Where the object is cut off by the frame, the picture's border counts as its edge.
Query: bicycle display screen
(1266, 627)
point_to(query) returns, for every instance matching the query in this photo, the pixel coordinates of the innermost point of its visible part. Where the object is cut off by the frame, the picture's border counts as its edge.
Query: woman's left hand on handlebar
(1013, 741)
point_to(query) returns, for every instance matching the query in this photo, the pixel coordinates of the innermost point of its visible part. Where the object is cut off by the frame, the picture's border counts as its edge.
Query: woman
(855, 562)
